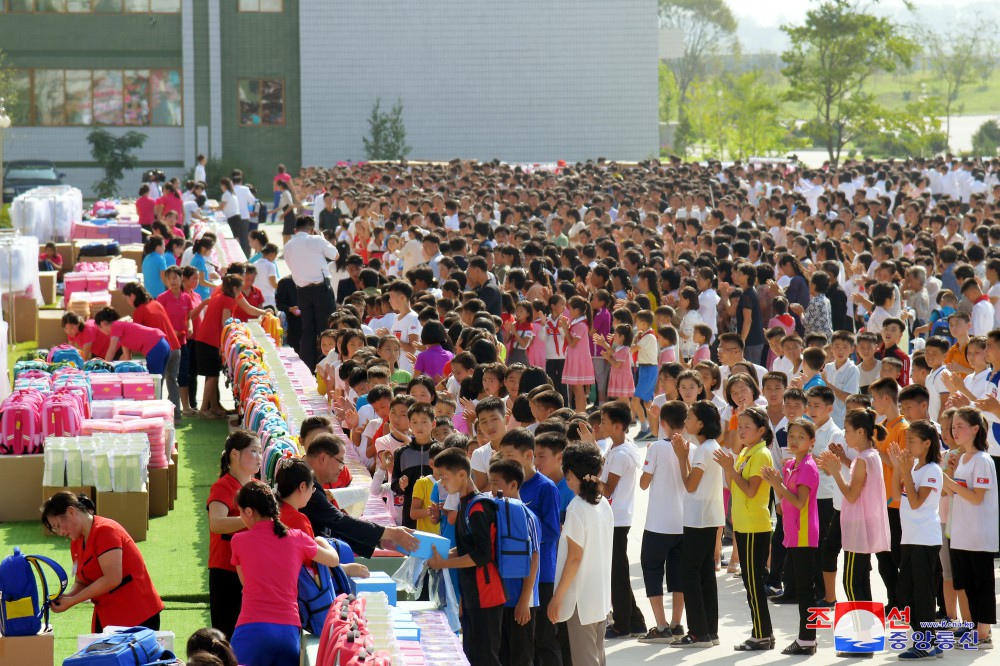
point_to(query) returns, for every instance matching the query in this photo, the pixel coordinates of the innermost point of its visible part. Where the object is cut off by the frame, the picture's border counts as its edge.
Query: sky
(760, 19)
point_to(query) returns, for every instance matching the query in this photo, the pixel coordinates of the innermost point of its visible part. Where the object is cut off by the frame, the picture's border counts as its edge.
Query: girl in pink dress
(536, 351)
(579, 370)
(864, 519)
(620, 382)
(667, 337)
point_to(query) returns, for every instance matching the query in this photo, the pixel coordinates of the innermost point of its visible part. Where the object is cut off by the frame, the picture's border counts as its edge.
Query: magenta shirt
(801, 525)
(602, 325)
(136, 337)
(270, 567)
(431, 361)
(177, 308)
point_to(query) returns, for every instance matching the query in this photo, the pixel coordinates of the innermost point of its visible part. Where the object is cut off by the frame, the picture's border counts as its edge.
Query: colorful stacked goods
(346, 639)
(107, 462)
(152, 419)
(438, 644)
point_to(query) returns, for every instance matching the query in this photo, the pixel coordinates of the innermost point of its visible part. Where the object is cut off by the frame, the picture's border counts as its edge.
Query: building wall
(519, 80)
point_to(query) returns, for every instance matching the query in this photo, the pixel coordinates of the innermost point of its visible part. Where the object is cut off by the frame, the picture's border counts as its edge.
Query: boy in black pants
(483, 594)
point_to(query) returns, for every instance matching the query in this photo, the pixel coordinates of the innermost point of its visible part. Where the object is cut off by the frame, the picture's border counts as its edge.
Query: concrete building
(258, 82)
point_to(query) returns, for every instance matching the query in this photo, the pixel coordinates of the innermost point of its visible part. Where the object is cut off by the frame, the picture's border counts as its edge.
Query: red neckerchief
(635, 354)
(552, 328)
(982, 297)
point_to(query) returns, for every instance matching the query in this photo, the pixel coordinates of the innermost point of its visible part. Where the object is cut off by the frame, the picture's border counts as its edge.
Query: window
(260, 5)
(139, 98)
(262, 102)
(20, 111)
(98, 6)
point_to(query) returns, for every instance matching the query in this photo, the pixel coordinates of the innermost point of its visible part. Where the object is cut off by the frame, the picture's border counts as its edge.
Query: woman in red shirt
(170, 201)
(252, 294)
(152, 314)
(240, 462)
(145, 206)
(85, 336)
(208, 338)
(108, 566)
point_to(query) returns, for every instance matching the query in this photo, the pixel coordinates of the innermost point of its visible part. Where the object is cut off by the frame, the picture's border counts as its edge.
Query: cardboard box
(49, 491)
(25, 319)
(68, 253)
(120, 303)
(173, 484)
(50, 329)
(28, 650)
(159, 492)
(47, 280)
(130, 510)
(176, 467)
(21, 481)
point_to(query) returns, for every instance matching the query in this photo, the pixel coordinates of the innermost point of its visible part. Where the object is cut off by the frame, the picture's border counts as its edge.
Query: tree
(9, 88)
(958, 55)
(986, 140)
(668, 93)
(114, 155)
(831, 57)
(706, 24)
(388, 133)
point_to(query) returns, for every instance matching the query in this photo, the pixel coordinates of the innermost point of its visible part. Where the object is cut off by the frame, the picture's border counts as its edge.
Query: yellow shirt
(895, 433)
(422, 491)
(751, 514)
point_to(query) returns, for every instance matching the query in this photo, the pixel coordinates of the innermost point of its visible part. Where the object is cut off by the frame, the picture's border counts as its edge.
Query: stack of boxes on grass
(94, 427)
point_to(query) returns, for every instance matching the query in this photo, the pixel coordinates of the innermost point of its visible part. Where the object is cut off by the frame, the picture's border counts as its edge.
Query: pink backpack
(81, 392)
(21, 424)
(62, 415)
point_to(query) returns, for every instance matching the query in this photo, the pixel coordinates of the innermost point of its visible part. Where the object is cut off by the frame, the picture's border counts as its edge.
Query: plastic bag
(442, 595)
(409, 576)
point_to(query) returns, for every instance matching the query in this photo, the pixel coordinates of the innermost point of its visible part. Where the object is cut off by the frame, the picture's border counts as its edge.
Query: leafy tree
(706, 24)
(986, 140)
(9, 88)
(115, 155)
(959, 54)
(668, 93)
(831, 57)
(913, 131)
(388, 133)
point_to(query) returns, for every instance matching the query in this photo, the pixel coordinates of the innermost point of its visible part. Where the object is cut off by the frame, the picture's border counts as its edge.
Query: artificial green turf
(175, 550)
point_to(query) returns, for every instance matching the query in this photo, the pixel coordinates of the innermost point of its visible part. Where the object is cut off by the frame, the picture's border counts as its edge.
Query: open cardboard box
(50, 329)
(159, 492)
(28, 650)
(21, 481)
(47, 281)
(130, 510)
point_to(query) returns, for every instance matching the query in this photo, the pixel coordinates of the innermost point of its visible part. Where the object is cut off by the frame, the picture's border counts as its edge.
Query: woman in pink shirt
(170, 201)
(145, 206)
(267, 558)
(150, 342)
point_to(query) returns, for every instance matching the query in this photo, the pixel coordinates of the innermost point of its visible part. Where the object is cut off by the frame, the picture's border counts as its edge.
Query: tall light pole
(4, 124)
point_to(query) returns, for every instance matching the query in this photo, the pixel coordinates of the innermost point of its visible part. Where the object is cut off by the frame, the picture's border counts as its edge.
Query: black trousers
(779, 555)
(972, 571)
(830, 549)
(753, 548)
(316, 303)
(481, 636)
(547, 649)
(827, 514)
(554, 369)
(915, 588)
(701, 593)
(888, 562)
(858, 576)
(517, 640)
(225, 599)
(803, 562)
(624, 611)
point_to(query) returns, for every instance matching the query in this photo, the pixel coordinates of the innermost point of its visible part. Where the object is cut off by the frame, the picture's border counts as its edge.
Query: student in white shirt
(267, 273)
(407, 326)
(199, 169)
(704, 514)
(619, 476)
(661, 540)
(841, 375)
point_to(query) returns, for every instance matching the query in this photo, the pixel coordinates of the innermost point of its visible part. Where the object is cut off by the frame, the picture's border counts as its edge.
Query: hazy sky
(776, 12)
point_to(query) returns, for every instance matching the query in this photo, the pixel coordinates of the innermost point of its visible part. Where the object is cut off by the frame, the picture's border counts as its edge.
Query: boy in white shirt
(619, 475)
(841, 375)
(661, 540)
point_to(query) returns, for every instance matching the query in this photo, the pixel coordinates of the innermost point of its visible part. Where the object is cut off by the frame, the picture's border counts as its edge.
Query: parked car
(23, 175)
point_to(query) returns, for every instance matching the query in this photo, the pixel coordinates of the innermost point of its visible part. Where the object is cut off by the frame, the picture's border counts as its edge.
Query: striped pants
(753, 548)
(858, 576)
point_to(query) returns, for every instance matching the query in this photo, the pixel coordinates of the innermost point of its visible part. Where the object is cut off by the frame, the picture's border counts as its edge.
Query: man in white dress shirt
(246, 200)
(307, 256)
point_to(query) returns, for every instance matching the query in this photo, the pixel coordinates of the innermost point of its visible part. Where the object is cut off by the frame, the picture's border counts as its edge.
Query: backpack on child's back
(514, 547)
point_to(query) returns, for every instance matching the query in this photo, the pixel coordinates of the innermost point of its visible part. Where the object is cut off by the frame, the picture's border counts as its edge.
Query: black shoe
(783, 599)
(612, 634)
(796, 649)
(638, 632)
(855, 655)
(690, 641)
(753, 645)
(715, 639)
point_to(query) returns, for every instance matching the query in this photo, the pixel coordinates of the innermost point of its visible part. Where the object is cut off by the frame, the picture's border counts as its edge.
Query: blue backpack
(131, 647)
(513, 547)
(130, 366)
(20, 610)
(316, 596)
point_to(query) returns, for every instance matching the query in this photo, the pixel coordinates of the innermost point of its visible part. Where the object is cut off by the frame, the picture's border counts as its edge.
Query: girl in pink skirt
(621, 384)
(579, 371)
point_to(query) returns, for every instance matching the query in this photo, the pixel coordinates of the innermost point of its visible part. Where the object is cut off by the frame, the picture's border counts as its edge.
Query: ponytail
(257, 496)
(865, 419)
(291, 473)
(58, 504)
(761, 420)
(584, 461)
(238, 440)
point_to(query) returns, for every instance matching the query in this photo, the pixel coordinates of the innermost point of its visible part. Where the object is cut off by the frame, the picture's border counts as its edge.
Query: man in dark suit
(479, 282)
(352, 283)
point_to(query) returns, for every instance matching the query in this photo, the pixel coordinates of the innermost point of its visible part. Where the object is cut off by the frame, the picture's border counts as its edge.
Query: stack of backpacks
(51, 398)
(345, 640)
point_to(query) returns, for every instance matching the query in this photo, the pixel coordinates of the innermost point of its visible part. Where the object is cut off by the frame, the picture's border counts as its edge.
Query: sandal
(755, 644)
(209, 415)
(796, 649)
(733, 568)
